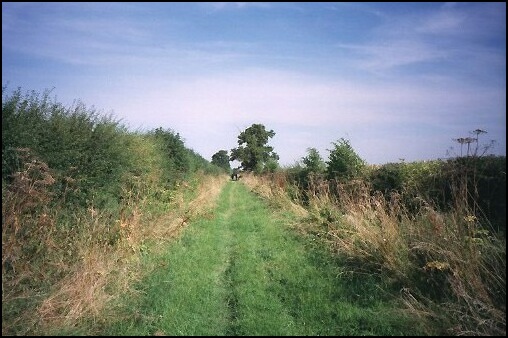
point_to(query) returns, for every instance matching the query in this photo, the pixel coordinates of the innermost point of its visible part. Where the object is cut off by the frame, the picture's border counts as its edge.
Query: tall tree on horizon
(253, 151)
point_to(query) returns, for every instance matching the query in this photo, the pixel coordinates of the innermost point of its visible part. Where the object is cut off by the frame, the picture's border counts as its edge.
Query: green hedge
(444, 183)
(482, 179)
(89, 154)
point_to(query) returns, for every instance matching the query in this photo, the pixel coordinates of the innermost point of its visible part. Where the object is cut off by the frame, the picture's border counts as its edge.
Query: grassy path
(243, 272)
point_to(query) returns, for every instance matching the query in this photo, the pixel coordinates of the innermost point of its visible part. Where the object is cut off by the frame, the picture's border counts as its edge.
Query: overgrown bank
(82, 197)
(84, 200)
(447, 265)
(243, 271)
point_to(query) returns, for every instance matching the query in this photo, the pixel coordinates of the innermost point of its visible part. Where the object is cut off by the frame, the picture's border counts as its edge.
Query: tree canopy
(221, 159)
(253, 151)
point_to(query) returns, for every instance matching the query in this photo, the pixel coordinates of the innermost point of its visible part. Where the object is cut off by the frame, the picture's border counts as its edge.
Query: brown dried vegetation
(58, 270)
(448, 268)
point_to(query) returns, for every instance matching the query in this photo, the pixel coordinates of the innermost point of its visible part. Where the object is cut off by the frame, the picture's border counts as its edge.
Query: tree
(221, 159)
(313, 162)
(253, 150)
(343, 162)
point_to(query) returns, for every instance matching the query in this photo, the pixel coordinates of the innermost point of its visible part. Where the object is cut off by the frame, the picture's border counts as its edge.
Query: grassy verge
(242, 271)
(446, 268)
(61, 294)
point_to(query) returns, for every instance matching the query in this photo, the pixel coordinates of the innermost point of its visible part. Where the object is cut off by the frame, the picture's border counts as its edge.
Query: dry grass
(273, 188)
(448, 267)
(76, 271)
(83, 294)
(449, 261)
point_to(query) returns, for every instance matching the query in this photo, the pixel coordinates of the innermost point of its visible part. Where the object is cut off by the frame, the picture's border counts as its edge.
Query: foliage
(447, 266)
(77, 142)
(343, 162)
(199, 163)
(172, 146)
(388, 177)
(75, 186)
(271, 166)
(91, 154)
(433, 229)
(310, 171)
(313, 162)
(221, 159)
(483, 178)
(253, 150)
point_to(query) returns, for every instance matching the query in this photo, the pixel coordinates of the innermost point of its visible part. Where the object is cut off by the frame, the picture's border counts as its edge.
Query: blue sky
(398, 80)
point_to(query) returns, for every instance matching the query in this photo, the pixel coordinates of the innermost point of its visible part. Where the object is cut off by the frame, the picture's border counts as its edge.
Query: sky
(399, 81)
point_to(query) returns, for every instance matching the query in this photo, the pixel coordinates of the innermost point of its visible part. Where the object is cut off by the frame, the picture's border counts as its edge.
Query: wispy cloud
(378, 57)
(469, 22)
(446, 21)
(399, 80)
(448, 35)
(290, 101)
(77, 40)
(238, 5)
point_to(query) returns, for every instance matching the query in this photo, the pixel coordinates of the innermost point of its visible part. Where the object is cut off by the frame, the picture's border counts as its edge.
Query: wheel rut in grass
(244, 272)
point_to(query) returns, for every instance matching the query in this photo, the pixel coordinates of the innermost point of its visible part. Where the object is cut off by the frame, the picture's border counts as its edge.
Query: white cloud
(304, 111)
(395, 53)
(450, 37)
(208, 89)
(445, 21)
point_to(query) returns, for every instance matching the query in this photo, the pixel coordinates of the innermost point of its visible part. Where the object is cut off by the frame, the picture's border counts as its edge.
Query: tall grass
(60, 267)
(242, 271)
(448, 267)
(82, 199)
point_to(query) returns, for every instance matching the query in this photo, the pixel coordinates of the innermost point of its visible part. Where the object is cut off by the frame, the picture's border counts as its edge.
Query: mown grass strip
(186, 295)
(244, 272)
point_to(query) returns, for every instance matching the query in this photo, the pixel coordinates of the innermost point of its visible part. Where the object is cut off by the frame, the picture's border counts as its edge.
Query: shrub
(388, 178)
(343, 162)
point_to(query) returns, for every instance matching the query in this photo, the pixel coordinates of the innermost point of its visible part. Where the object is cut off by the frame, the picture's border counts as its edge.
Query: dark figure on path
(234, 175)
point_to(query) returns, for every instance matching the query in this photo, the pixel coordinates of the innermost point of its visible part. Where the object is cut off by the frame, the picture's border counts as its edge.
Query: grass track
(244, 272)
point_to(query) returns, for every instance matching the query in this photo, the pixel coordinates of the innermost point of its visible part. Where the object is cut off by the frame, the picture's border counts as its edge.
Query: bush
(76, 142)
(343, 163)
(76, 187)
(388, 178)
